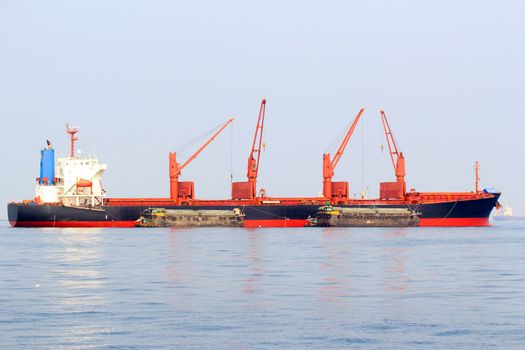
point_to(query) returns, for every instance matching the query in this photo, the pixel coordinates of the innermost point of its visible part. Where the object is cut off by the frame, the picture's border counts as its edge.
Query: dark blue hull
(473, 212)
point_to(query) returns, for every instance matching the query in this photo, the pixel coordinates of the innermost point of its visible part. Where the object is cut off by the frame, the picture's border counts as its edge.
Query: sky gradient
(142, 77)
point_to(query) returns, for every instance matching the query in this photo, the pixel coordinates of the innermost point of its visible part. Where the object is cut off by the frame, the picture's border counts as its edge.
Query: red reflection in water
(171, 268)
(336, 267)
(255, 273)
(395, 257)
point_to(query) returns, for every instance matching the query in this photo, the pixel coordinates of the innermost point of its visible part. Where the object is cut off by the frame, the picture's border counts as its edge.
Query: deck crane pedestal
(397, 189)
(183, 192)
(248, 189)
(337, 192)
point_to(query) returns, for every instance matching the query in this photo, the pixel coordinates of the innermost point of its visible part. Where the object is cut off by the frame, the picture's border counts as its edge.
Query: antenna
(477, 176)
(73, 138)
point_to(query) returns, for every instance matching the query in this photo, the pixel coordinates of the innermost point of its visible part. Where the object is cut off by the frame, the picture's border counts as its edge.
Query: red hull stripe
(275, 223)
(443, 222)
(74, 224)
(457, 222)
(248, 223)
(448, 222)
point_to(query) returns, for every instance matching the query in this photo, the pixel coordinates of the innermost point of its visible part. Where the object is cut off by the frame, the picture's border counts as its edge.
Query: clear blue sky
(142, 77)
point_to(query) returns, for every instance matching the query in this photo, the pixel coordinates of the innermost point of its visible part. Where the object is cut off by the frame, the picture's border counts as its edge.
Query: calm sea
(231, 288)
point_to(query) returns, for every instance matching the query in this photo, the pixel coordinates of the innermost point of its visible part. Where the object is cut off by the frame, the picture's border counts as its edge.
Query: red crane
(255, 154)
(248, 190)
(329, 165)
(184, 190)
(398, 161)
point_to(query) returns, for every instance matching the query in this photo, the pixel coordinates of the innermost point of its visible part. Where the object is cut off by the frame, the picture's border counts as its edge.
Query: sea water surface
(232, 288)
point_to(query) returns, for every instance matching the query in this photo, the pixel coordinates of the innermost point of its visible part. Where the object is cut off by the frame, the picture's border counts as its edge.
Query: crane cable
(337, 140)
(187, 145)
(363, 160)
(231, 153)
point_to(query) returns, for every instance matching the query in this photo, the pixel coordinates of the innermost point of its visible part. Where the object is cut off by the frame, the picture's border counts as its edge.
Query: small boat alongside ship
(328, 216)
(69, 193)
(161, 217)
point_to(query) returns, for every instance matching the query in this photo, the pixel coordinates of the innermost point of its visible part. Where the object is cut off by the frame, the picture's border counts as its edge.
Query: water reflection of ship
(346, 269)
(79, 272)
(254, 281)
(395, 257)
(173, 273)
(336, 268)
(181, 268)
(256, 270)
(79, 256)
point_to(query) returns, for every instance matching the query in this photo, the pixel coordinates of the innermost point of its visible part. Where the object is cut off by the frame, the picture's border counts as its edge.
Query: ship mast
(477, 176)
(73, 138)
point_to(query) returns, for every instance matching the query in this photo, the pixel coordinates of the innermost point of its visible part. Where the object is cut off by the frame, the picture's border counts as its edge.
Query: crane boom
(248, 189)
(255, 153)
(392, 146)
(210, 140)
(346, 139)
(175, 168)
(330, 165)
(397, 157)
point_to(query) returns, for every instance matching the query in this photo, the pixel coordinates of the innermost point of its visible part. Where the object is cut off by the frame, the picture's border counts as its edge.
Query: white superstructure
(76, 181)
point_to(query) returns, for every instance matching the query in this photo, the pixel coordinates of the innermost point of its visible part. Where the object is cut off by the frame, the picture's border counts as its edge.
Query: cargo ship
(69, 192)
